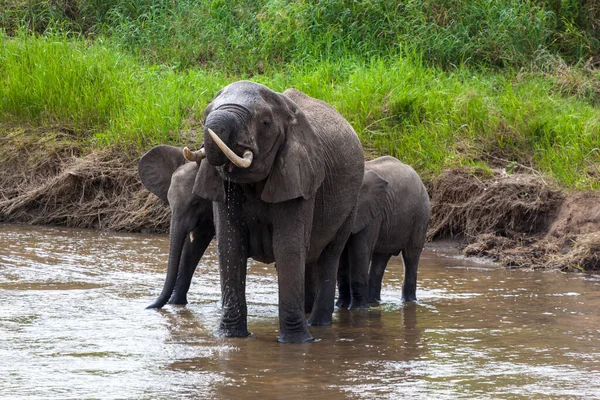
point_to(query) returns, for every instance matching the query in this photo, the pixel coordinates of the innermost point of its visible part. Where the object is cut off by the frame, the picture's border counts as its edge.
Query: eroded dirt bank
(519, 220)
(50, 179)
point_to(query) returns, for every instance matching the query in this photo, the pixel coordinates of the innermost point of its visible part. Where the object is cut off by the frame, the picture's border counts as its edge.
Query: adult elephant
(392, 217)
(164, 172)
(284, 171)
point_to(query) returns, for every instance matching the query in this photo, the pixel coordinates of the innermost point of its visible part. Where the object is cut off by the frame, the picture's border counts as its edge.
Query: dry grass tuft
(584, 255)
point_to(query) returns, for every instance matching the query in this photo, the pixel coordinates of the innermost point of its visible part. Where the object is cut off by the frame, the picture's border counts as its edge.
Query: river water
(73, 326)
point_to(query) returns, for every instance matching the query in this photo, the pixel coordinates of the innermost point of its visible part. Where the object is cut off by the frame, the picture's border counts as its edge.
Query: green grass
(95, 91)
(261, 36)
(424, 115)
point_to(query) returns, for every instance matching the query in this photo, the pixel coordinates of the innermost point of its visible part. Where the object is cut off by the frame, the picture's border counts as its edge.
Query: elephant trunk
(224, 124)
(177, 241)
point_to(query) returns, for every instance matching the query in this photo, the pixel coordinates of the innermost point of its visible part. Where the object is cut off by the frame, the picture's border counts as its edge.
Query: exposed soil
(58, 183)
(518, 220)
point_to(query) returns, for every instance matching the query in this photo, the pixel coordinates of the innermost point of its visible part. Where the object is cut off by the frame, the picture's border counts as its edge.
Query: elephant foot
(409, 293)
(342, 303)
(294, 338)
(374, 302)
(320, 319)
(358, 304)
(158, 303)
(223, 332)
(178, 301)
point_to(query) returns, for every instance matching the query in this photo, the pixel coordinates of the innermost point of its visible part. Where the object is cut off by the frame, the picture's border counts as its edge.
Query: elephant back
(343, 156)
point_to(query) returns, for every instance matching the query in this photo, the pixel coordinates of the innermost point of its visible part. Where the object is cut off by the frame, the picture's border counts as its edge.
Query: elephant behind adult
(284, 170)
(392, 217)
(164, 172)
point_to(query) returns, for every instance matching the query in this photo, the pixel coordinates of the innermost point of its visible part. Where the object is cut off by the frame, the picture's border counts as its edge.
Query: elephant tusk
(194, 155)
(242, 162)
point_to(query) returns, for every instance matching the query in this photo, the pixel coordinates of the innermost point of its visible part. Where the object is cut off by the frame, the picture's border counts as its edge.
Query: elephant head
(164, 172)
(370, 200)
(255, 135)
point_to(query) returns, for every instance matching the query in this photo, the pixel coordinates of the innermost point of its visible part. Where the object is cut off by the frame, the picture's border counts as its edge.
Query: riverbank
(520, 220)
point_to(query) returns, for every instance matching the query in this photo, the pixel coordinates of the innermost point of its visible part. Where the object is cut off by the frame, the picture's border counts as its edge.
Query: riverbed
(73, 326)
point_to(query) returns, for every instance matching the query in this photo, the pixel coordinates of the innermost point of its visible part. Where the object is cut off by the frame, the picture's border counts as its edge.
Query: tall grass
(428, 117)
(260, 36)
(95, 91)
(53, 80)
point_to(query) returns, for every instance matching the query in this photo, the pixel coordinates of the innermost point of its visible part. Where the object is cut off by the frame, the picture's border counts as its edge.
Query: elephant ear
(208, 184)
(157, 166)
(371, 200)
(298, 169)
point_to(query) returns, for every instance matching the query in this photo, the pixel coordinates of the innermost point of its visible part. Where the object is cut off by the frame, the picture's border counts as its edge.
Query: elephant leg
(292, 321)
(232, 243)
(291, 236)
(411, 264)
(322, 313)
(328, 262)
(192, 253)
(310, 281)
(343, 280)
(378, 265)
(359, 252)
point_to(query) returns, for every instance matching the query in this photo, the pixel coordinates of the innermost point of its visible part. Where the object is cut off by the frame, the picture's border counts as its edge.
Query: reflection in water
(73, 325)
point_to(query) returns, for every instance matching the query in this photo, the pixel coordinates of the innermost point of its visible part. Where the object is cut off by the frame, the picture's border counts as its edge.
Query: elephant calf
(392, 217)
(164, 172)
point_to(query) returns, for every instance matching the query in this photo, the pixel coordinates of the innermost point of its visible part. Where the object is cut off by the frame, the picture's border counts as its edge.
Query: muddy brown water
(73, 325)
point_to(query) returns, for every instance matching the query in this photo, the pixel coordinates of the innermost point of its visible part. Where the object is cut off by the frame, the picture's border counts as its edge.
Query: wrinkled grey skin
(392, 217)
(164, 172)
(293, 206)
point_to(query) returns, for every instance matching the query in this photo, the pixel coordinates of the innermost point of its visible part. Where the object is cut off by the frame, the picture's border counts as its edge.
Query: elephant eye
(266, 122)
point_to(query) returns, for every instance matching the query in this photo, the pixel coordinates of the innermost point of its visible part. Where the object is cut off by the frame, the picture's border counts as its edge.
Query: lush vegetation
(435, 83)
(257, 36)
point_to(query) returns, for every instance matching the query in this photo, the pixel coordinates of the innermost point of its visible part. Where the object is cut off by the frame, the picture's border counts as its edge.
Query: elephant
(163, 171)
(392, 217)
(284, 171)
